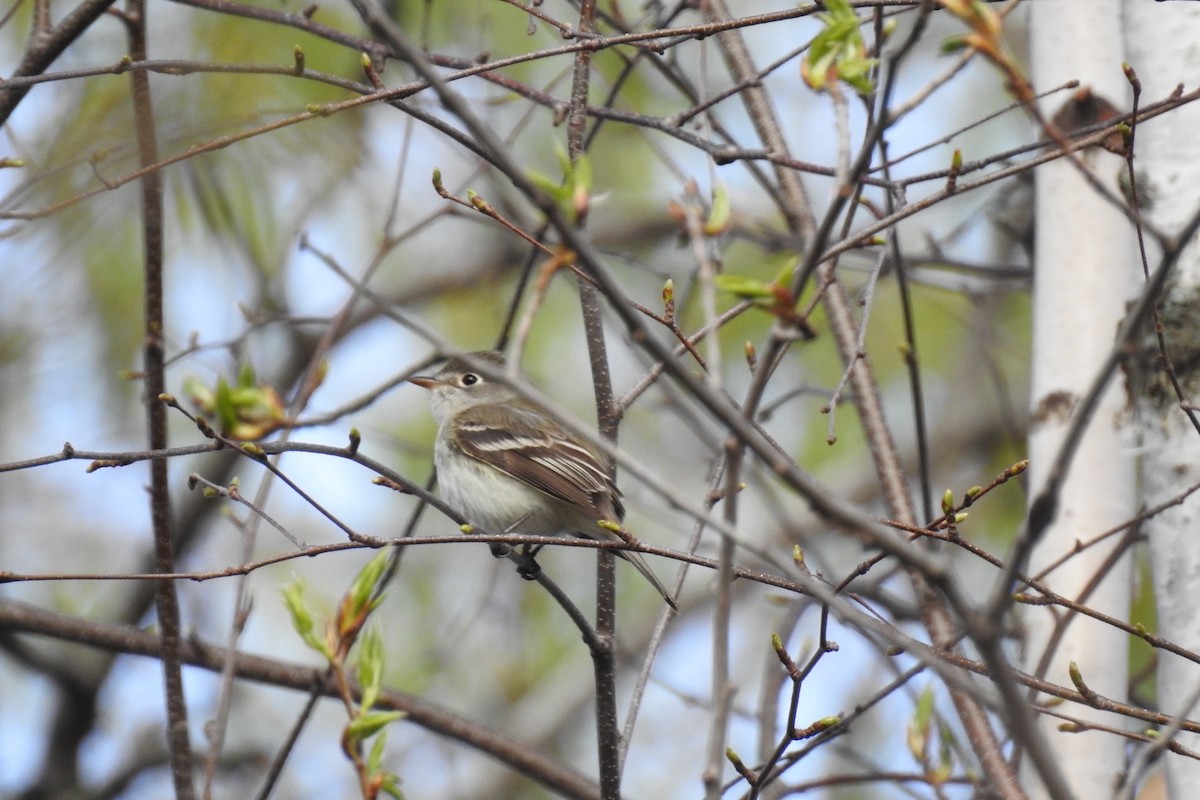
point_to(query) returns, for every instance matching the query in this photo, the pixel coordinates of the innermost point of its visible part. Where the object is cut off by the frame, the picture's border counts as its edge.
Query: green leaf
(370, 667)
(855, 72)
(367, 725)
(302, 620)
(745, 287)
(919, 726)
(375, 755)
(945, 767)
(368, 580)
(787, 272)
(581, 173)
(226, 413)
(199, 393)
(838, 52)
(362, 597)
(548, 185)
(573, 193)
(245, 411)
(391, 786)
(720, 213)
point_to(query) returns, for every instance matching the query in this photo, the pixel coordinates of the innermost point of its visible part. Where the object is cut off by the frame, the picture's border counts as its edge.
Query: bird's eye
(470, 379)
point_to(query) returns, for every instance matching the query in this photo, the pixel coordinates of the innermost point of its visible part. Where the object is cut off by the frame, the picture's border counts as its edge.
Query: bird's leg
(527, 568)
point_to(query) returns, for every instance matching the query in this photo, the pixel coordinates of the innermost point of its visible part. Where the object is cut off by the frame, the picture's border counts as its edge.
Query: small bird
(507, 465)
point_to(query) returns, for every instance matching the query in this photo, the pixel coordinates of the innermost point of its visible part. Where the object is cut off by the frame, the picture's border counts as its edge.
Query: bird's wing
(530, 446)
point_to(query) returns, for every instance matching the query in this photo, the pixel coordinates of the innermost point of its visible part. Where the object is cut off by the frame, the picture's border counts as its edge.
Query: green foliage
(370, 667)
(366, 725)
(923, 730)
(744, 287)
(364, 595)
(302, 618)
(719, 212)
(341, 633)
(246, 411)
(573, 192)
(920, 726)
(388, 782)
(838, 53)
(774, 296)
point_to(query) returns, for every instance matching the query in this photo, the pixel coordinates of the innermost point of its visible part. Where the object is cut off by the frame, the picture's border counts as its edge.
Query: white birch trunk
(1085, 269)
(1164, 47)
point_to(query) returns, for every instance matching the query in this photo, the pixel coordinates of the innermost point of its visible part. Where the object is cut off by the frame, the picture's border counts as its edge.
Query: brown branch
(165, 600)
(553, 774)
(47, 45)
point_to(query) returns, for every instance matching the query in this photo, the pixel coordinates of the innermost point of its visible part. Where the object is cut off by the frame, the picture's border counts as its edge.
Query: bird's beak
(425, 383)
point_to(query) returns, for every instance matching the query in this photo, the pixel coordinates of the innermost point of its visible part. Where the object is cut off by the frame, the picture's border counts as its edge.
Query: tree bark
(1086, 264)
(1160, 40)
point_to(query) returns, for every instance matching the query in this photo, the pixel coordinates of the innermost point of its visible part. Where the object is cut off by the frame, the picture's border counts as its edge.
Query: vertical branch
(608, 744)
(589, 297)
(166, 601)
(580, 81)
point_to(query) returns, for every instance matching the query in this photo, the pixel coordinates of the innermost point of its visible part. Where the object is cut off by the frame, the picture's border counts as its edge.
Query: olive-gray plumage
(507, 465)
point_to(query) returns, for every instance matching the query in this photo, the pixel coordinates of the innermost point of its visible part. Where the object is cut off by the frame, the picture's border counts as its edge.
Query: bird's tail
(644, 568)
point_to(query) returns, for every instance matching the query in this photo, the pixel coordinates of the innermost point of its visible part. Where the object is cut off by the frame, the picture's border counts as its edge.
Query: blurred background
(265, 238)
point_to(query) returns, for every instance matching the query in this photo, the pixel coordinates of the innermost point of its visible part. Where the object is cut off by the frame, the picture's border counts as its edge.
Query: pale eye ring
(470, 379)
